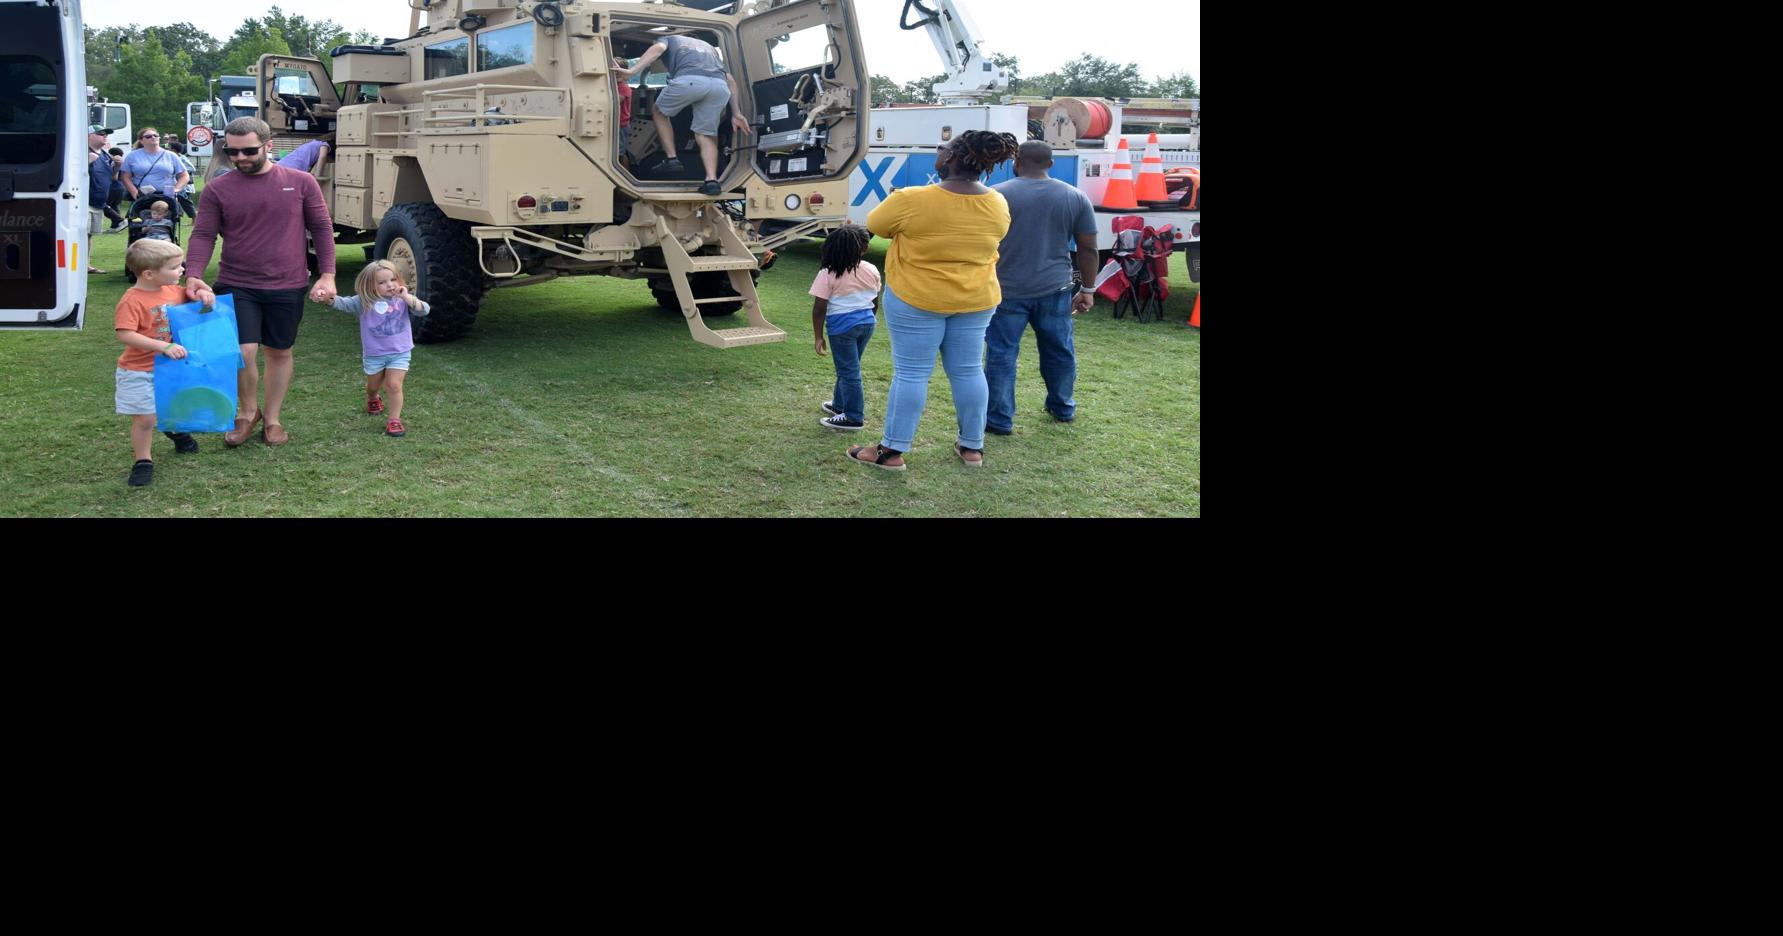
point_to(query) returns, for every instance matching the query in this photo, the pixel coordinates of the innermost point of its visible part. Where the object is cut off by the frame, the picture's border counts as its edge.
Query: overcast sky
(1161, 38)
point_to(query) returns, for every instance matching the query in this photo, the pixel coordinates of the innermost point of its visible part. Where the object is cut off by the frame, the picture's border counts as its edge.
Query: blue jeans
(846, 350)
(1051, 318)
(915, 337)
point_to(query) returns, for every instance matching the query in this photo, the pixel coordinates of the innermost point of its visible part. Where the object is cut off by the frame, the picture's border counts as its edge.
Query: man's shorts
(136, 392)
(378, 363)
(707, 96)
(266, 316)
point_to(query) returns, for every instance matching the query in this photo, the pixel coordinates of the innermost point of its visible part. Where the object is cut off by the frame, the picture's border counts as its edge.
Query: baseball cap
(95, 128)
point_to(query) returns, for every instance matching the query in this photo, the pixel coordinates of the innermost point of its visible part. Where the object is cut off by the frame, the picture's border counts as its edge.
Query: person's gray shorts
(136, 392)
(707, 96)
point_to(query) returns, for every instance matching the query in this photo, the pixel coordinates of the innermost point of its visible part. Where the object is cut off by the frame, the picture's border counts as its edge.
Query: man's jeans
(916, 335)
(846, 350)
(1051, 318)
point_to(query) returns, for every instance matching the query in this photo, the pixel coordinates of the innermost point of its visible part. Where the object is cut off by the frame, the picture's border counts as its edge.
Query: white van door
(43, 165)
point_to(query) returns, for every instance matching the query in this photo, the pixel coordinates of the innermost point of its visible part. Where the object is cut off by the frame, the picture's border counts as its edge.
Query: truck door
(808, 91)
(43, 166)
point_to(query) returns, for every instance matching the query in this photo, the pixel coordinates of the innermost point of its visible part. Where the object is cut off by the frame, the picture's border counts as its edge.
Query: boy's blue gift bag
(197, 393)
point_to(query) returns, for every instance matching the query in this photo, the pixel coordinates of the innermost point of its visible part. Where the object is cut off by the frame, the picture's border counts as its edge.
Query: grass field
(580, 398)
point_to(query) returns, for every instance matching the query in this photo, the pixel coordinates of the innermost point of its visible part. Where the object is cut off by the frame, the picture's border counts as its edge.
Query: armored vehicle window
(500, 48)
(445, 59)
(803, 49)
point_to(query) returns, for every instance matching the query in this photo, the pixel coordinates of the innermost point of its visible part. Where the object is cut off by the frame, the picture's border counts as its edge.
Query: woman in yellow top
(941, 291)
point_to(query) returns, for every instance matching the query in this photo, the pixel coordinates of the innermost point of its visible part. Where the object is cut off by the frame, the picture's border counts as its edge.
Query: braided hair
(844, 249)
(979, 151)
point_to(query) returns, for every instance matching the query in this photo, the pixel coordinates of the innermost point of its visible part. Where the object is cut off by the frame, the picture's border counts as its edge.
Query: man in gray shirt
(1046, 217)
(697, 79)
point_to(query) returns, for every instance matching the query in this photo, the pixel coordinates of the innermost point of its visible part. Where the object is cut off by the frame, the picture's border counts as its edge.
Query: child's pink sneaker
(374, 405)
(394, 428)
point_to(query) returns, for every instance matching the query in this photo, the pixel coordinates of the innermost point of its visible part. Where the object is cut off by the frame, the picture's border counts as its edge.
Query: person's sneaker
(841, 424)
(142, 473)
(116, 227)
(183, 443)
(374, 405)
(993, 430)
(710, 187)
(829, 406)
(1057, 418)
(394, 428)
(670, 167)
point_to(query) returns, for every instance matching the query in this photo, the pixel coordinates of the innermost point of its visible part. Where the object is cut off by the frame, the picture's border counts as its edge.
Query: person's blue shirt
(160, 170)
(303, 158)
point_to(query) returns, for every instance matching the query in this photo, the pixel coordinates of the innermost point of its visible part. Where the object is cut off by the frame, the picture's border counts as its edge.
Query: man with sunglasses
(262, 211)
(153, 167)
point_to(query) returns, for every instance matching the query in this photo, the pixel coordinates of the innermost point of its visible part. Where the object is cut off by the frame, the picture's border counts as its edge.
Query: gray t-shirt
(1045, 215)
(692, 57)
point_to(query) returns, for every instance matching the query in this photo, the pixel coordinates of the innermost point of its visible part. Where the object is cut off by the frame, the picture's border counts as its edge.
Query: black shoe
(183, 443)
(1057, 418)
(710, 188)
(829, 406)
(142, 473)
(841, 424)
(993, 430)
(670, 167)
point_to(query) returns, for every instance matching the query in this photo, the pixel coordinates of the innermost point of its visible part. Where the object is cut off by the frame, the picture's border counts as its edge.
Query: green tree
(1094, 76)
(203, 48)
(104, 48)
(1179, 85)
(922, 90)
(155, 85)
(306, 38)
(251, 40)
(887, 92)
(1046, 85)
(1013, 66)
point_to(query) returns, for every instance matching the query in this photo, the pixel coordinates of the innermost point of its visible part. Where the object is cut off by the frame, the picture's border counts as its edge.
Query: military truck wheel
(438, 259)
(705, 286)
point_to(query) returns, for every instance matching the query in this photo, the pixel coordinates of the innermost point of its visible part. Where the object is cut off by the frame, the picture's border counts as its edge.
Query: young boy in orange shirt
(141, 323)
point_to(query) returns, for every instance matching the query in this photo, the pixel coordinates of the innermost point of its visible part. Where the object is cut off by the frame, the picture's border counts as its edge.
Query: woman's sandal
(961, 451)
(855, 452)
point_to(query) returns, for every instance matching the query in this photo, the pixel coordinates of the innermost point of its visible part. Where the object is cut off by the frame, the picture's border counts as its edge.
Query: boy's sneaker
(375, 405)
(841, 424)
(710, 187)
(670, 167)
(829, 406)
(142, 473)
(183, 443)
(394, 428)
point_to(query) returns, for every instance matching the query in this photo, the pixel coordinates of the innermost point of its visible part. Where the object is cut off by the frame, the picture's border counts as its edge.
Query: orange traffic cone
(1195, 316)
(1119, 196)
(1151, 173)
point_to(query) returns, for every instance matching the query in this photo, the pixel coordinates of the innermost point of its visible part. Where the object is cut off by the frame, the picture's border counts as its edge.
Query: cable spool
(1070, 119)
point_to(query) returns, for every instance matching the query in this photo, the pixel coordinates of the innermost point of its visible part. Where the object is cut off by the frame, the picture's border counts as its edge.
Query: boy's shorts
(136, 392)
(266, 316)
(378, 363)
(707, 96)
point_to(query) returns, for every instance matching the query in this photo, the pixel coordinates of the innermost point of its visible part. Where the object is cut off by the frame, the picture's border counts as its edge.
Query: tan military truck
(484, 151)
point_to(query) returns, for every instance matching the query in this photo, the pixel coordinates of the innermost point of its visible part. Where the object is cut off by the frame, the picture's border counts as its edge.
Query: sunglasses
(241, 151)
(151, 136)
